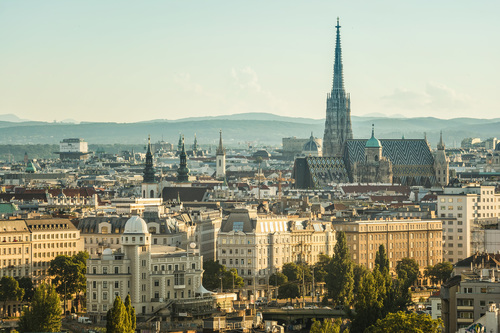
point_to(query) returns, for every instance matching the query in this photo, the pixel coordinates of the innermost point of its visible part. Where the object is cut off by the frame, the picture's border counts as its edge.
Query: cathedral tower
(149, 185)
(220, 171)
(441, 164)
(338, 109)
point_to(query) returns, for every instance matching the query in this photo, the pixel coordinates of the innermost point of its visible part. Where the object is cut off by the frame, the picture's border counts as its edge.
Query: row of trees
(215, 272)
(121, 317)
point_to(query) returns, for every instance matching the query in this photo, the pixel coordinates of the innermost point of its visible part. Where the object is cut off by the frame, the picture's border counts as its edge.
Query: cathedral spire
(183, 171)
(338, 74)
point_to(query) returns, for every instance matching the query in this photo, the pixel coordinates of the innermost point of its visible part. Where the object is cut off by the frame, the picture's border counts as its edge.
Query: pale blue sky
(139, 60)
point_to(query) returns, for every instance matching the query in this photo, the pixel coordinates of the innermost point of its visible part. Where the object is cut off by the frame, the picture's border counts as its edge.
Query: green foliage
(10, 291)
(381, 260)
(326, 326)
(118, 319)
(406, 322)
(278, 279)
(340, 281)
(408, 271)
(321, 268)
(131, 312)
(44, 313)
(69, 273)
(359, 271)
(295, 272)
(369, 302)
(288, 290)
(215, 271)
(439, 272)
(26, 283)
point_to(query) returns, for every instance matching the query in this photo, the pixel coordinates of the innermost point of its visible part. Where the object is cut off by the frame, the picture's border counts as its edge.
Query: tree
(406, 322)
(326, 326)
(214, 272)
(69, 273)
(408, 271)
(9, 291)
(131, 312)
(381, 259)
(439, 272)
(118, 320)
(27, 284)
(359, 271)
(321, 268)
(340, 281)
(288, 290)
(369, 302)
(277, 279)
(44, 312)
(295, 272)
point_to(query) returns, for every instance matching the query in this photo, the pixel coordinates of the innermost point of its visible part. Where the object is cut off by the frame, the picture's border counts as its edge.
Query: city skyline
(125, 61)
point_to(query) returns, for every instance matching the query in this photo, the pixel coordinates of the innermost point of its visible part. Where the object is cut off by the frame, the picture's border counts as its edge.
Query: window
(105, 284)
(117, 284)
(116, 270)
(157, 284)
(178, 279)
(104, 270)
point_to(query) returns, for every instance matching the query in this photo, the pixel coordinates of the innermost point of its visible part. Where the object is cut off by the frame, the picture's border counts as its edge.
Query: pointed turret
(441, 145)
(220, 148)
(183, 171)
(149, 171)
(179, 144)
(195, 145)
(149, 183)
(220, 160)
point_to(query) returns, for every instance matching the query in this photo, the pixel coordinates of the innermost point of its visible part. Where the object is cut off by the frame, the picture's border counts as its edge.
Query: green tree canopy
(321, 268)
(406, 322)
(44, 312)
(340, 281)
(326, 326)
(131, 312)
(26, 283)
(288, 290)
(408, 271)
(10, 291)
(439, 272)
(381, 260)
(215, 271)
(278, 279)
(118, 319)
(69, 273)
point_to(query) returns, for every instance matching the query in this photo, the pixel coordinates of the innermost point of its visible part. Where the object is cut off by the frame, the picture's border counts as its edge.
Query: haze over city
(125, 61)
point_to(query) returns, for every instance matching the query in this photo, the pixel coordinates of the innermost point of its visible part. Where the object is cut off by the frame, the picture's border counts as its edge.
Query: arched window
(152, 194)
(376, 158)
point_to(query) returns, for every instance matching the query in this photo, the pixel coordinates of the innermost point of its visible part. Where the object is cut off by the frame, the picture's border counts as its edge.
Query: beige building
(467, 209)
(416, 239)
(162, 281)
(258, 245)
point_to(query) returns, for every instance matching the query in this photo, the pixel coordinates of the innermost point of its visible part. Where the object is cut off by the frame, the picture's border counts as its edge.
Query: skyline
(125, 61)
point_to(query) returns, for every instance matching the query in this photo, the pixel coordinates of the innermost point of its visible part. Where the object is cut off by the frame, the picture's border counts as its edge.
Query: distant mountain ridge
(241, 130)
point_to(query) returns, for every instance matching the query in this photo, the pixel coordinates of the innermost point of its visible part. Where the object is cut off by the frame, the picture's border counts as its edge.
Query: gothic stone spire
(220, 149)
(149, 171)
(338, 127)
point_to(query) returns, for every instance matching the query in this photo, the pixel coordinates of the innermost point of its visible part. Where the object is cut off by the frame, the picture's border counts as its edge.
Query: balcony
(465, 308)
(179, 286)
(465, 320)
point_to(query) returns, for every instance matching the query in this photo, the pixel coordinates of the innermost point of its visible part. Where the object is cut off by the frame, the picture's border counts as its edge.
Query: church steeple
(183, 171)
(220, 148)
(149, 171)
(338, 71)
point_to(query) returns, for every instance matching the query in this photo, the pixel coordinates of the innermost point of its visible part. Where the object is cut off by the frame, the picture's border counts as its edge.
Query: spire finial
(220, 149)
(373, 130)
(338, 76)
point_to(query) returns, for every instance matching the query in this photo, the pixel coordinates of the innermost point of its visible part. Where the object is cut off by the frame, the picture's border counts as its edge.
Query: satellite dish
(192, 245)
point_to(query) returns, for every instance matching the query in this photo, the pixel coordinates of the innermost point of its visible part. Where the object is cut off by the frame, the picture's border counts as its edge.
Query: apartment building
(402, 238)
(466, 209)
(258, 245)
(28, 246)
(161, 280)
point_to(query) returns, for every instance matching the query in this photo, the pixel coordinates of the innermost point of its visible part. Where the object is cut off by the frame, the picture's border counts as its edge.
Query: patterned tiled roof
(325, 170)
(398, 151)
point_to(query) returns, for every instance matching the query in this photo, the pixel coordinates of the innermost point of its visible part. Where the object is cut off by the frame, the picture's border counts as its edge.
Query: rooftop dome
(136, 225)
(311, 145)
(373, 142)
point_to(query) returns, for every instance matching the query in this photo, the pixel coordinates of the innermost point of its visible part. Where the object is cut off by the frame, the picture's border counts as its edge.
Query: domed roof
(373, 142)
(107, 251)
(311, 145)
(136, 225)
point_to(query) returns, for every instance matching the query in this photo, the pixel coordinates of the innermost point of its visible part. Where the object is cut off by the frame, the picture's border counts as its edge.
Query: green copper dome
(373, 142)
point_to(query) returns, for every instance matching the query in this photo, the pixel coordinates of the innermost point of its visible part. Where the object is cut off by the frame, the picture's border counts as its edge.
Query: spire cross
(338, 25)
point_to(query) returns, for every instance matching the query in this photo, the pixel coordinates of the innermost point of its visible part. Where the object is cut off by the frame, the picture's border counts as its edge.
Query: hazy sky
(139, 60)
